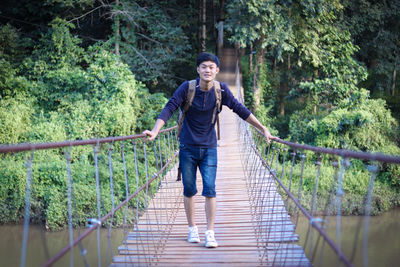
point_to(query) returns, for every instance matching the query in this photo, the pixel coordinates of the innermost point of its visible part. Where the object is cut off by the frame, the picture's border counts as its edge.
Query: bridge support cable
(112, 196)
(310, 205)
(69, 197)
(373, 169)
(97, 223)
(27, 207)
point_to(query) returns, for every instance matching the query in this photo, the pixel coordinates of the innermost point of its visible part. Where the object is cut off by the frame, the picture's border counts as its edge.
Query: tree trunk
(214, 15)
(199, 7)
(373, 63)
(221, 9)
(238, 54)
(316, 74)
(203, 26)
(283, 88)
(256, 87)
(284, 83)
(251, 59)
(117, 31)
(254, 91)
(220, 37)
(393, 81)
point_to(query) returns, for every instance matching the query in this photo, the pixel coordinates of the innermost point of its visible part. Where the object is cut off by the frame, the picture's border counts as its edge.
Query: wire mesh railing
(89, 185)
(317, 187)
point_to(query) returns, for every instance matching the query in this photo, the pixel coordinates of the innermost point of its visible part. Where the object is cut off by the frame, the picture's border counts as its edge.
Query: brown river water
(383, 245)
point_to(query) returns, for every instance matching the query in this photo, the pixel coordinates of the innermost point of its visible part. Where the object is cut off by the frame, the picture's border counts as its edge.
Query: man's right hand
(150, 135)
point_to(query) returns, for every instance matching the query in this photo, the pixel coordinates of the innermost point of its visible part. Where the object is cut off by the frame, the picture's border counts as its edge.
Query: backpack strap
(188, 102)
(218, 101)
(190, 95)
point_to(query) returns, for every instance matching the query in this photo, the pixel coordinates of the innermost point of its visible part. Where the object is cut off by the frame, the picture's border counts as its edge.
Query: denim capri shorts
(191, 157)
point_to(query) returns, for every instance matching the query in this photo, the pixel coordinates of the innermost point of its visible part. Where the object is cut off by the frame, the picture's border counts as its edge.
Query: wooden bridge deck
(235, 230)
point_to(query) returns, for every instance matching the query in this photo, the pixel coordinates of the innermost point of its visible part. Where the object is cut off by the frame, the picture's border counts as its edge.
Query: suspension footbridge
(259, 197)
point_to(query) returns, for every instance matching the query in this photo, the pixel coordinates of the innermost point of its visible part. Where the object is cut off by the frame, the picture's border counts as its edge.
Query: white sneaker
(193, 236)
(210, 239)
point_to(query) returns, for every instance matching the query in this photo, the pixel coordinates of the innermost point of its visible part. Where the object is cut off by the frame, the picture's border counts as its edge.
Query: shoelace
(194, 233)
(210, 237)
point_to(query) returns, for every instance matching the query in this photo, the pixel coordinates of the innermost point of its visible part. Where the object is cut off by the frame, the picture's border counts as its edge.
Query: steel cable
(28, 166)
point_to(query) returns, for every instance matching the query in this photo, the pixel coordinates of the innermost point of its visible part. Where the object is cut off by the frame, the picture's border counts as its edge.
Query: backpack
(189, 99)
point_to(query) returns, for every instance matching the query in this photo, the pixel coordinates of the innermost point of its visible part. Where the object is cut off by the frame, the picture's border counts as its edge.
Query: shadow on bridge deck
(235, 226)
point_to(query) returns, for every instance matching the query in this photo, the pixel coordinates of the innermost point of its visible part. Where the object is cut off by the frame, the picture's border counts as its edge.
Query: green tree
(261, 25)
(375, 28)
(339, 73)
(12, 53)
(151, 42)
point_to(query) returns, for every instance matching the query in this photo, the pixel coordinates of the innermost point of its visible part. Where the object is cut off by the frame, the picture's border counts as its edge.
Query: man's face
(207, 71)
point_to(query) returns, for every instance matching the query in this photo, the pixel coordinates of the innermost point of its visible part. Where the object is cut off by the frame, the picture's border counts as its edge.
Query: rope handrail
(342, 152)
(94, 141)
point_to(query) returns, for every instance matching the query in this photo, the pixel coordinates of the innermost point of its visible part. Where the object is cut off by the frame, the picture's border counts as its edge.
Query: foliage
(12, 52)
(15, 119)
(68, 92)
(355, 182)
(12, 191)
(57, 47)
(62, 78)
(154, 43)
(246, 82)
(313, 48)
(69, 3)
(262, 23)
(374, 27)
(358, 123)
(267, 99)
(339, 73)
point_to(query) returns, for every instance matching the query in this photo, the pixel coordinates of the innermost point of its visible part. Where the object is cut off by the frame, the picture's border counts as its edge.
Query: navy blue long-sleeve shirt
(197, 129)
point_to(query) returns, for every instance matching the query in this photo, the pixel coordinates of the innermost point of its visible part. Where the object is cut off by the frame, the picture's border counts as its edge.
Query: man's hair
(205, 56)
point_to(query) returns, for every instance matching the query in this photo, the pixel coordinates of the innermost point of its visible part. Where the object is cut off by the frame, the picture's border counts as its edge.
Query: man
(198, 142)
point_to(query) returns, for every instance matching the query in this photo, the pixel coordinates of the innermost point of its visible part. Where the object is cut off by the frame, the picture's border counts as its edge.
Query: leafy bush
(12, 189)
(71, 97)
(15, 119)
(358, 123)
(355, 185)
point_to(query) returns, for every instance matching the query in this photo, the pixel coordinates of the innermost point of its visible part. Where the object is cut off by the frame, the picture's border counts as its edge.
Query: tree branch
(148, 38)
(87, 13)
